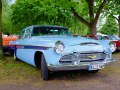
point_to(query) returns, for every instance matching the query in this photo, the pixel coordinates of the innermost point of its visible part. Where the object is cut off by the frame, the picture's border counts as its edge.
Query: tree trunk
(119, 24)
(93, 19)
(1, 47)
(94, 23)
(92, 29)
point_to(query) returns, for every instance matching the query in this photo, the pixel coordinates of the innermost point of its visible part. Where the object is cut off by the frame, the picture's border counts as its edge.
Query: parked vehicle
(52, 48)
(7, 47)
(103, 41)
(114, 39)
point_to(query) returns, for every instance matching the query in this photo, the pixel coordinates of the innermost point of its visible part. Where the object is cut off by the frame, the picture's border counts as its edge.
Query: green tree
(28, 12)
(1, 49)
(92, 9)
(6, 21)
(113, 9)
(110, 27)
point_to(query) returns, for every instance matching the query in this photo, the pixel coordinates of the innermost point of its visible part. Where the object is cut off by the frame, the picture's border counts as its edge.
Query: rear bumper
(9, 49)
(81, 66)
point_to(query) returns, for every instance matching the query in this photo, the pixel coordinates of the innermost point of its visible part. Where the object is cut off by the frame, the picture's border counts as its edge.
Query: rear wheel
(44, 70)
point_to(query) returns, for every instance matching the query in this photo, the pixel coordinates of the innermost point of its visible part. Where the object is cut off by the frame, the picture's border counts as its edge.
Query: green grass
(12, 71)
(17, 71)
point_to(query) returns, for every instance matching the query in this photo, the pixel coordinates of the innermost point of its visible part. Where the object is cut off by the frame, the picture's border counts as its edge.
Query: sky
(11, 1)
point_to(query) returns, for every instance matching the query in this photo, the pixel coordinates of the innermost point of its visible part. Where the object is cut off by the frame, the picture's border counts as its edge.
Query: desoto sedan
(52, 48)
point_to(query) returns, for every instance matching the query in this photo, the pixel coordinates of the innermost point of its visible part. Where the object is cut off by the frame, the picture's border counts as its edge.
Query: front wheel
(44, 70)
(94, 71)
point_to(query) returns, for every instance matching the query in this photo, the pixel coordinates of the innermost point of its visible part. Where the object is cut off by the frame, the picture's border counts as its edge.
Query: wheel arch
(37, 58)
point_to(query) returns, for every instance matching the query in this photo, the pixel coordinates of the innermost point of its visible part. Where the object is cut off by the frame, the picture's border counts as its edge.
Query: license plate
(95, 67)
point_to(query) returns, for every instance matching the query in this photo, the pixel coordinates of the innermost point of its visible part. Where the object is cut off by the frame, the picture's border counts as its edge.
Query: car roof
(49, 26)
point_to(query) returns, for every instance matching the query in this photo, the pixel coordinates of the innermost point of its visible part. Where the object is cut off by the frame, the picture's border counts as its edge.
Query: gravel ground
(106, 79)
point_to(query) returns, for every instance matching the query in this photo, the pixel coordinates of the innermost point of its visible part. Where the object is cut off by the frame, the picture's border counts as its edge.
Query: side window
(28, 33)
(21, 35)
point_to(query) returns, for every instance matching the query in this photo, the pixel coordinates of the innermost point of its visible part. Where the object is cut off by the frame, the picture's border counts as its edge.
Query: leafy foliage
(54, 12)
(112, 7)
(87, 12)
(26, 12)
(110, 27)
(6, 21)
(58, 12)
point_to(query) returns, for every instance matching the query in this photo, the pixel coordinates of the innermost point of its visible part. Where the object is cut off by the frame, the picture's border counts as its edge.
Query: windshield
(39, 31)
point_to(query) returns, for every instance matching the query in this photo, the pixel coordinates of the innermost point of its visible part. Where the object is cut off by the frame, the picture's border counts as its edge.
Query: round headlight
(59, 47)
(112, 47)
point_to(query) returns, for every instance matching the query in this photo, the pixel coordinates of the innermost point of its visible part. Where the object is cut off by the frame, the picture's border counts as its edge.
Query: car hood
(72, 44)
(67, 40)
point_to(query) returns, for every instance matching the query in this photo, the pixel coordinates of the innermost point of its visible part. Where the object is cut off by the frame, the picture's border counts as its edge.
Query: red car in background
(7, 47)
(114, 45)
(114, 39)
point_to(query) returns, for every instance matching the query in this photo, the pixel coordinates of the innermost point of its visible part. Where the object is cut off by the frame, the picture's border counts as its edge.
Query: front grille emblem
(92, 56)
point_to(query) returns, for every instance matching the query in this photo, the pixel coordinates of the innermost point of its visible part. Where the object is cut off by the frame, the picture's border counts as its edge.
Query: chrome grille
(83, 57)
(68, 58)
(91, 56)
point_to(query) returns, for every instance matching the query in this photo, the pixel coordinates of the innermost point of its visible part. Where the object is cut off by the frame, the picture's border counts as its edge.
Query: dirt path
(106, 79)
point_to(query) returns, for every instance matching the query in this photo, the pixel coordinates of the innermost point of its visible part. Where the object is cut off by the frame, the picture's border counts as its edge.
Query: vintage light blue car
(52, 48)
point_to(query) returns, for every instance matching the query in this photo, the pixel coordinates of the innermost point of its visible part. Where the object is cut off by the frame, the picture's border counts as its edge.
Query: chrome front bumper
(71, 66)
